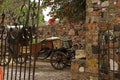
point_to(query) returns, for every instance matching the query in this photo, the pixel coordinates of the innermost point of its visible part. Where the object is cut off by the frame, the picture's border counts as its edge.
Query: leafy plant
(71, 10)
(20, 9)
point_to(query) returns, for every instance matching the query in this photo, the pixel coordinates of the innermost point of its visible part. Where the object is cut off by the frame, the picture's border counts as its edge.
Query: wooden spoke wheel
(5, 59)
(58, 60)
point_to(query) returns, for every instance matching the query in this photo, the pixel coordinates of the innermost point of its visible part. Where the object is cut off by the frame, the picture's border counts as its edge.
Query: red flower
(66, 8)
(51, 21)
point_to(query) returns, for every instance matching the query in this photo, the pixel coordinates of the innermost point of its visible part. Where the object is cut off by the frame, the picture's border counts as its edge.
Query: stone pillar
(102, 15)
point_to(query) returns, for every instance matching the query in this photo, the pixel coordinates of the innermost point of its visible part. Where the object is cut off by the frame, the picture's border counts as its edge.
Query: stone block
(92, 63)
(78, 65)
(94, 13)
(80, 54)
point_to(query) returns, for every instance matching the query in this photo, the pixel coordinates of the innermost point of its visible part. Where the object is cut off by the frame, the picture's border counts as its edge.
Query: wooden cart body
(50, 43)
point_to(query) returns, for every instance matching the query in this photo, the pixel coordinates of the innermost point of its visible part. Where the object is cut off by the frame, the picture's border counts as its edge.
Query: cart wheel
(21, 59)
(5, 59)
(58, 60)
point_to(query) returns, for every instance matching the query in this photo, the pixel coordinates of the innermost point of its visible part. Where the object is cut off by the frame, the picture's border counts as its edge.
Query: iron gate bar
(99, 51)
(107, 54)
(36, 38)
(13, 71)
(108, 51)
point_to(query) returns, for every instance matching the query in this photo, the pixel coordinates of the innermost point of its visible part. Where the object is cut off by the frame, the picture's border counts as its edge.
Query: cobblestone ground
(46, 72)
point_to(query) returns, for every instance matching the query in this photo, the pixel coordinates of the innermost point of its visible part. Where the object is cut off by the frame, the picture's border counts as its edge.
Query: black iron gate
(17, 32)
(109, 52)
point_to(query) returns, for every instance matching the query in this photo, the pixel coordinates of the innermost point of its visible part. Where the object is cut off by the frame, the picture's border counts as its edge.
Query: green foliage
(20, 9)
(72, 10)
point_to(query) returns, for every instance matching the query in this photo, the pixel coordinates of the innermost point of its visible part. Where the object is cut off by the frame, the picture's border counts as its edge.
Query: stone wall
(101, 16)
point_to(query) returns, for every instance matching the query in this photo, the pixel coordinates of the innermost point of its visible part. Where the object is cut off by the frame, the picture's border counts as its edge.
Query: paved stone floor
(44, 71)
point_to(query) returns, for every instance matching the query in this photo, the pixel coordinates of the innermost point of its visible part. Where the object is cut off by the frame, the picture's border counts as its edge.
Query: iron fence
(109, 52)
(17, 34)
